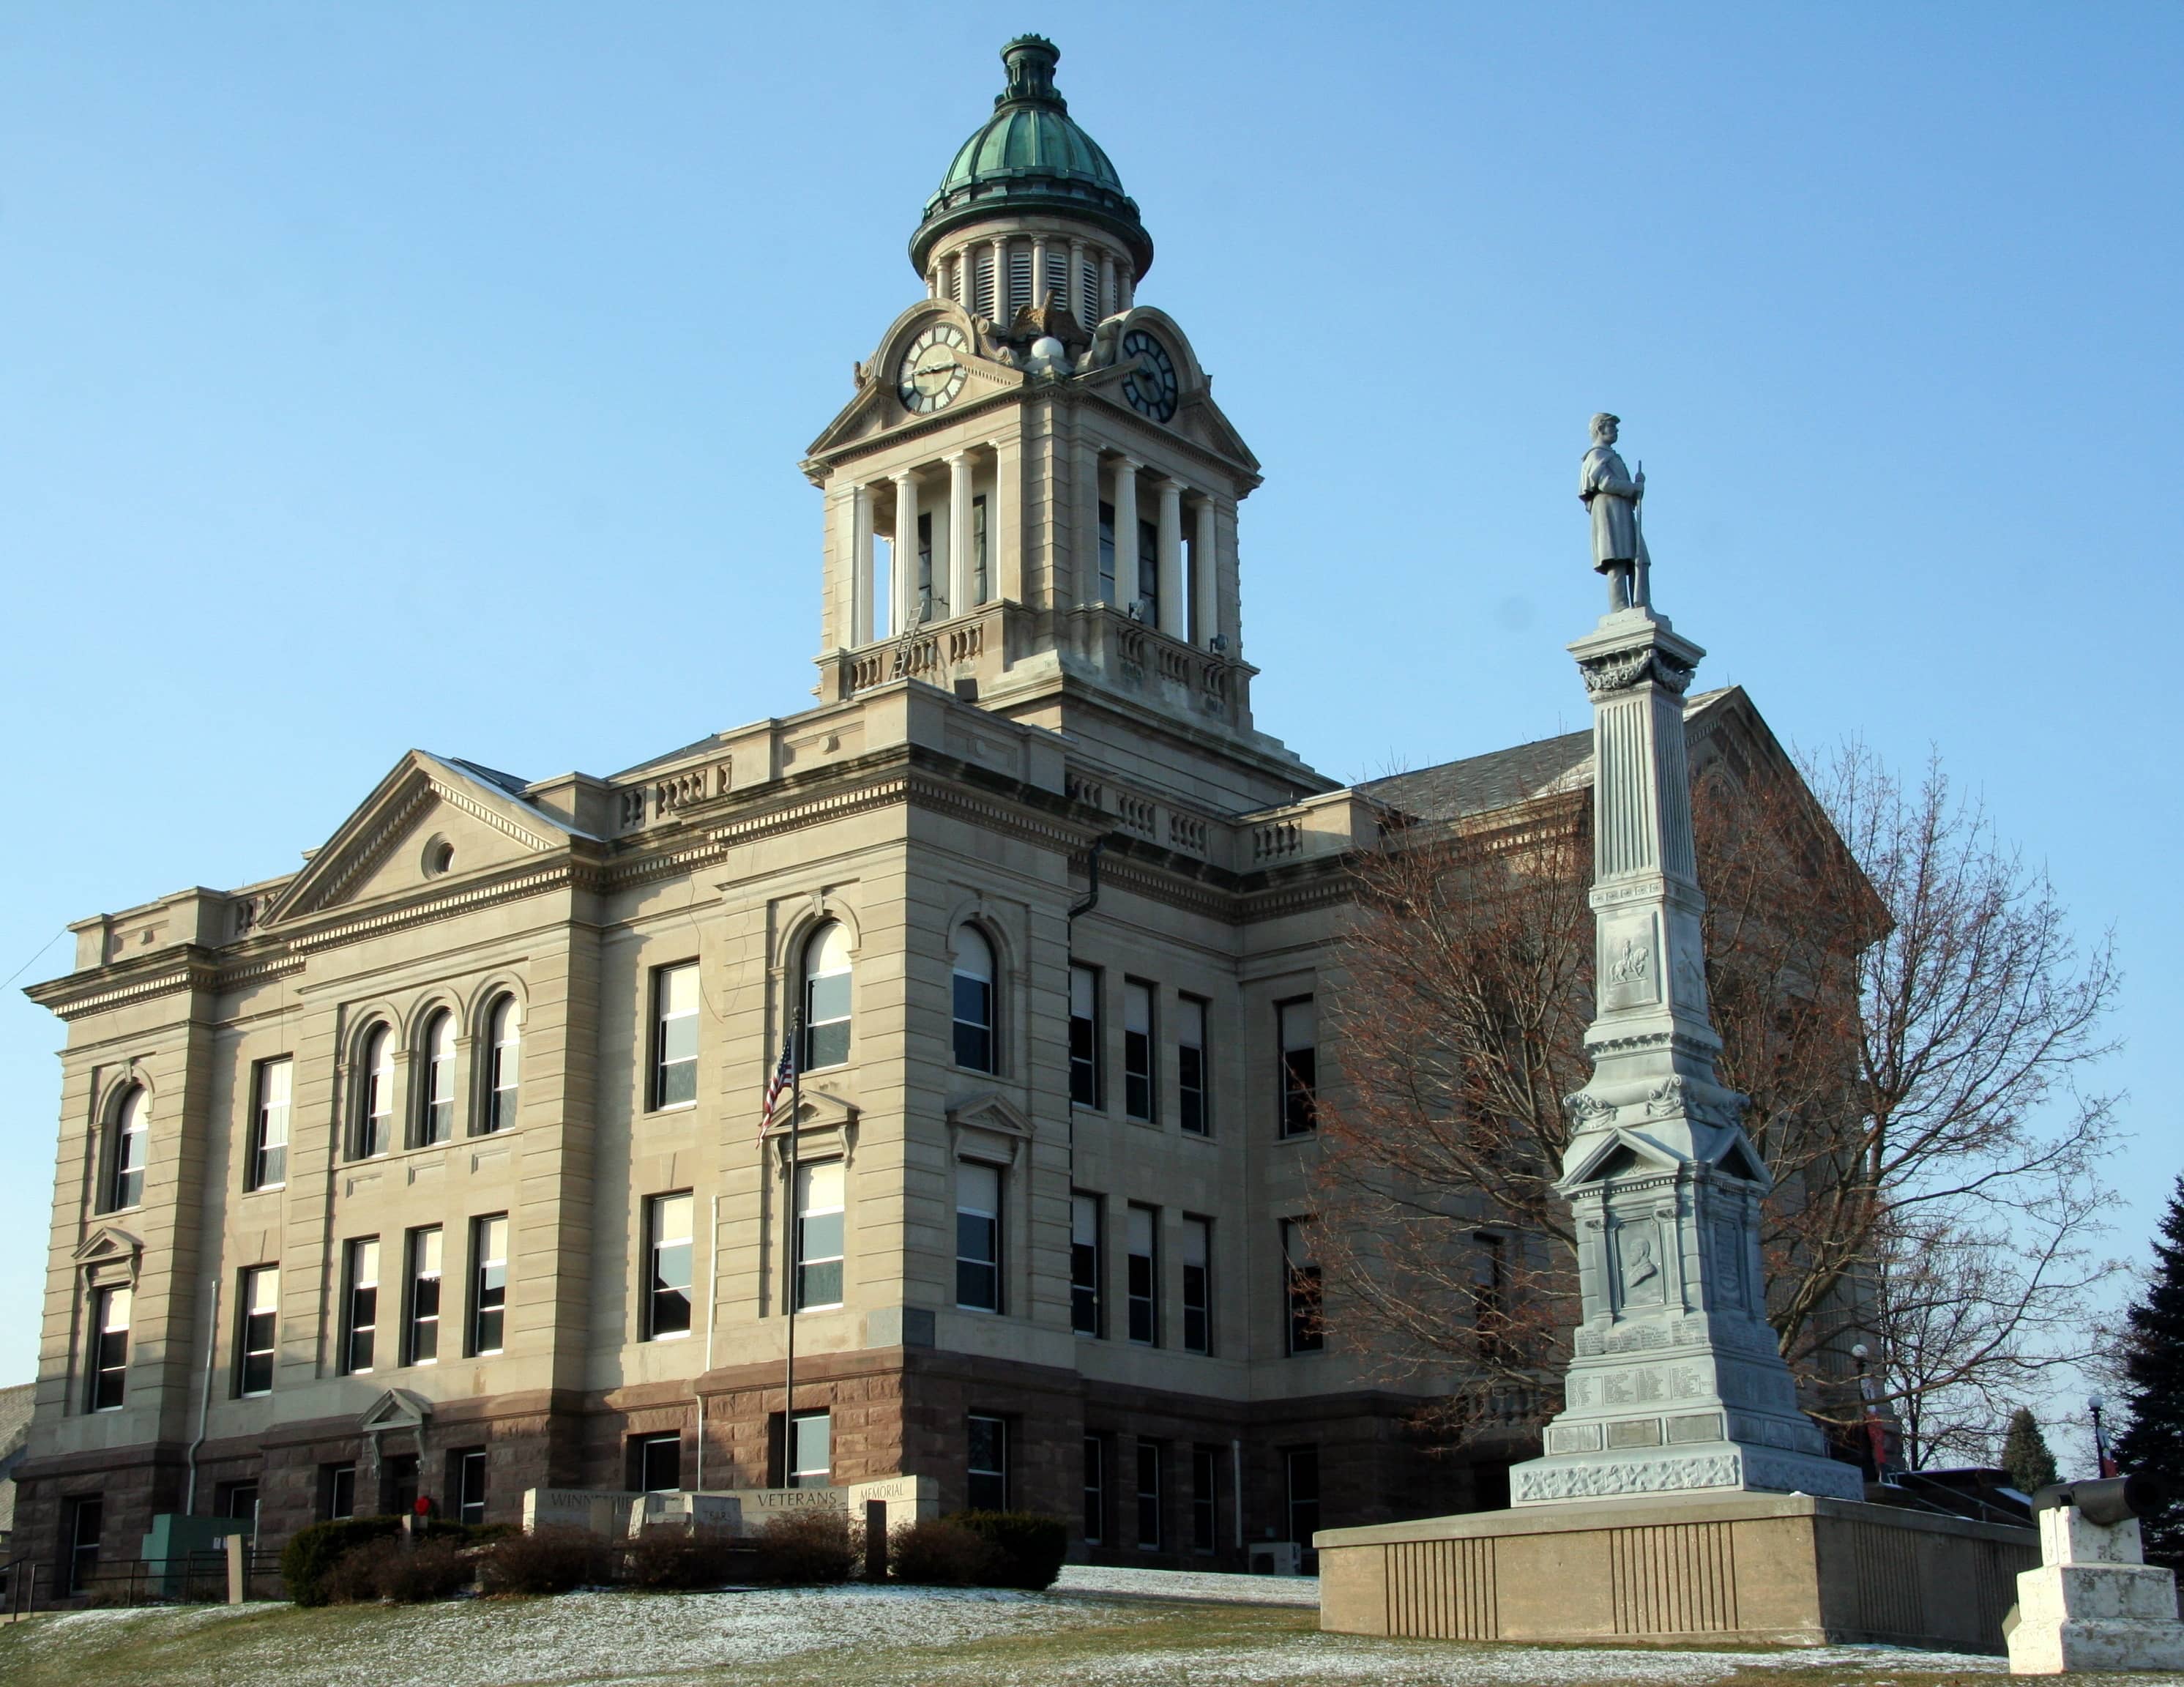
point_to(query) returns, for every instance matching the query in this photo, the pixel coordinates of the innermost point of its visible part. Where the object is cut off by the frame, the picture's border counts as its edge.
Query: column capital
(903, 477)
(1169, 483)
(1130, 463)
(955, 457)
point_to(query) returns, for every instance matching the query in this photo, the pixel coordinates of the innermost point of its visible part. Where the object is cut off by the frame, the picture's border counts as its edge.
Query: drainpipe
(204, 1400)
(1236, 1486)
(1091, 896)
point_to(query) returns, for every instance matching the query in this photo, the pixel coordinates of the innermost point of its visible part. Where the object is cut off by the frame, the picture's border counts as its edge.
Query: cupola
(1032, 209)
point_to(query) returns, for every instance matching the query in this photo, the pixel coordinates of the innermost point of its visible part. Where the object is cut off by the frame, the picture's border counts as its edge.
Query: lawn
(858, 1637)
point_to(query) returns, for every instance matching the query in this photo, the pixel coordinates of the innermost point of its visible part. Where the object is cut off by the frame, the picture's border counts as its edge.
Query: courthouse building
(433, 1167)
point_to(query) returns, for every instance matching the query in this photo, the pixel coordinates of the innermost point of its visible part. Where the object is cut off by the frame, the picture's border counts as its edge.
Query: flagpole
(795, 1248)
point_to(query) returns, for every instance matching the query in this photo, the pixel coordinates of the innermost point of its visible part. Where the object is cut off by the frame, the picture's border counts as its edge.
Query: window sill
(267, 1188)
(671, 1107)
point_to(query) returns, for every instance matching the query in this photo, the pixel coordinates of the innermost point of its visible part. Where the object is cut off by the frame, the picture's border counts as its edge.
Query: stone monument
(1682, 1496)
(2094, 1603)
(1676, 1384)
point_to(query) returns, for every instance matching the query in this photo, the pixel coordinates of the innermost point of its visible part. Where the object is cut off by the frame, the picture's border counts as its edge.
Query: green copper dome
(1031, 158)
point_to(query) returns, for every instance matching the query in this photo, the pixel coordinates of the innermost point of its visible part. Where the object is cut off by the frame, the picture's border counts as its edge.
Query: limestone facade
(433, 1167)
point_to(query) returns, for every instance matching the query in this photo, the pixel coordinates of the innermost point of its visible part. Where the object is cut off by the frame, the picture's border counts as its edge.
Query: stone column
(1005, 558)
(1676, 1384)
(1128, 290)
(1107, 305)
(1038, 268)
(862, 610)
(1174, 613)
(962, 594)
(1205, 578)
(1077, 281)
(1126, 532)
(1001, 279)
(904, 581)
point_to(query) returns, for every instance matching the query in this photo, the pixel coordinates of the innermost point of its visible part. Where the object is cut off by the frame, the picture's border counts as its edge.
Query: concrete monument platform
(1741, 1568)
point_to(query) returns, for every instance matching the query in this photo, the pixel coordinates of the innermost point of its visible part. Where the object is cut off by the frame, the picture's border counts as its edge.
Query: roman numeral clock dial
(933, 370)
(1150, 384)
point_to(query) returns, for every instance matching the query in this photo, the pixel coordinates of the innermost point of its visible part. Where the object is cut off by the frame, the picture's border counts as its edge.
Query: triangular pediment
(1737, 1159)
(396, 1409)
(108, 1242)
(1620, 1154)
(471, 820)
(989, 1110)
(818, 1110)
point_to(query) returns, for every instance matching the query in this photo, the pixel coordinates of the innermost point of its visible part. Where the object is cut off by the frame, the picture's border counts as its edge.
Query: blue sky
(395, 375)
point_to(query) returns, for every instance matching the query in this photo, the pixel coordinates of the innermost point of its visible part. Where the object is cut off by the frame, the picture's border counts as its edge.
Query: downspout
(204, 1400)
(1091, 896)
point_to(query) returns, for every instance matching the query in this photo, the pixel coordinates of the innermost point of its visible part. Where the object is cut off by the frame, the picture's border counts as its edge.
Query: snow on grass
(1194, 1584)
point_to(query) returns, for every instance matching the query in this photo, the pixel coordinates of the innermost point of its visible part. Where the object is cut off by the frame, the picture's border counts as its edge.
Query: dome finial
(1031, 59)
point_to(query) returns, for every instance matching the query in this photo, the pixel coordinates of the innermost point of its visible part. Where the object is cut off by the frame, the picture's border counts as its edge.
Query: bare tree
(1900, 997)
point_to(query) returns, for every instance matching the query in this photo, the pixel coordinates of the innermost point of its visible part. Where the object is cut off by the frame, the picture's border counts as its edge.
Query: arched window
(132, 1142)
(375, 1129)
(436, 1112)
(504, 1036)
(827, 997)
(974, 1001)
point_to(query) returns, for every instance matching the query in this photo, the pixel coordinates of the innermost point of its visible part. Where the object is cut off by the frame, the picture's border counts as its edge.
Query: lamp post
(1876, 1432)
(2095, 1405)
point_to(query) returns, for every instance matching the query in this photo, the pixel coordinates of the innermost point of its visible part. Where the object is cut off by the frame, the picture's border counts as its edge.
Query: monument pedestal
(1683, 1569)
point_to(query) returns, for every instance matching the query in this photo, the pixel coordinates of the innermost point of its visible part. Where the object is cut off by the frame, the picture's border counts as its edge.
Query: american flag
(783, 1074)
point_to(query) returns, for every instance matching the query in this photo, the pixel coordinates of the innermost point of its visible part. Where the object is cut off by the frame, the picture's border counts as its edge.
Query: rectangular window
(131, 1145)
(87, 1523)
(1106, 552)
(337, 1491)
(1096, 1490)
(1144, 1268)
(1137, 1049)
(977, 1236)
(1298, 1024)
(811, 1450)
(488, 1283)
(989, 1487)
(925, 564)
(1300, 1469)
(674, 1035)
(1204, 1497)
(655, 1463)
(421, 1342)
(1088, 1265)
(259, 1302)
(1084, 1036)
(1019, 284)
(1149, 571)
(1149, 1495)
(269, 1133)
(359, 1304)
(466, 1483)
(1488, 1311)
(819, 1234)
(982, 287)
(1091, 296)
(238, 1502)
(110, 1309)
(667, 1301)
(1300, 1294)
(980, 587)
(1198, 1285)
(1193, 1093)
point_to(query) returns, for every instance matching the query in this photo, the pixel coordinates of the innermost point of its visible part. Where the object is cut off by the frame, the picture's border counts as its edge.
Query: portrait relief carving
(1638, 1257)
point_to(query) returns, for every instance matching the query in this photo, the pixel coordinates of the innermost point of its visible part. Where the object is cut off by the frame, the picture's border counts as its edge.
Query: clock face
(1150, 384)
(933, 369)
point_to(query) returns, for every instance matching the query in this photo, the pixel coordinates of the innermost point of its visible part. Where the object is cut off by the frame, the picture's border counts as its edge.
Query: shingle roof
(1501, 778)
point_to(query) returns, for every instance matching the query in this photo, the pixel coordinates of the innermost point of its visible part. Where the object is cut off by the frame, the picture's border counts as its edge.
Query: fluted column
(962, 565)
(861, 615)
(1001, 279)
(1107, 304)
(1125, 530)
(905, 582)
(1077, 281)
(1038, 268)
(1173, 611)
(1205, 579)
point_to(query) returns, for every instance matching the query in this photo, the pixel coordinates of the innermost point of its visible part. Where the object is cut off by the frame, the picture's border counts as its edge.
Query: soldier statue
(1611, 494)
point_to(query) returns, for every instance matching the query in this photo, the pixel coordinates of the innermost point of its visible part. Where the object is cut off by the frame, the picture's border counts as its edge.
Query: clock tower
(1031, 499)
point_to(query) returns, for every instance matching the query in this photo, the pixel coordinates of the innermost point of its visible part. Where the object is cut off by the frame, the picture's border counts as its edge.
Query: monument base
(1733, 1569)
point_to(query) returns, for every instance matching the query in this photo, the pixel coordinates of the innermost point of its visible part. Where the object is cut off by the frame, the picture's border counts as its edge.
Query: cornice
(103, 989)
